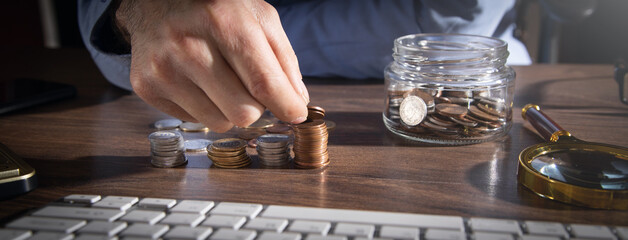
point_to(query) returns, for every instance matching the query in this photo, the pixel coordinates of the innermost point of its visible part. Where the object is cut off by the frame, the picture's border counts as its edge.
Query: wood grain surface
(97, 144)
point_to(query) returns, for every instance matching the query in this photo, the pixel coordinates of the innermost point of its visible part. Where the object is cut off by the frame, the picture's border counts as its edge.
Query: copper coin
(476, 112)
(427, 98)
(491, 109)
(451, 110)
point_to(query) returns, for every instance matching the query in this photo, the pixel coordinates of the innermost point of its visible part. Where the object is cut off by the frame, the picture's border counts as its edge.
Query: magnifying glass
(573, 171)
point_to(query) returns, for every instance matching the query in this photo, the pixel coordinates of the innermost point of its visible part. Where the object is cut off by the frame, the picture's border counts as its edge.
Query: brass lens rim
(565, 192)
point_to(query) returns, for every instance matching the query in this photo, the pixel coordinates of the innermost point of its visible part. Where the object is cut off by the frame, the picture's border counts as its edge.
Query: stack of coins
(167, 149)
(393, 102)
(229, 153)
(450, 114)
(310, 144)
(273, 150)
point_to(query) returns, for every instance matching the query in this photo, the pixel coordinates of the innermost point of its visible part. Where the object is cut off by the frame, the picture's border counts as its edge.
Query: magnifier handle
(541, 122)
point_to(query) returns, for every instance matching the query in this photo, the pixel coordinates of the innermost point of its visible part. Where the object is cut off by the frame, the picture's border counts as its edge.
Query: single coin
(229, 144)
(495, 109)
(164, 135)
(272, 138)
(412, 110)
(166, 124)
(197, 145)
(475, 111)
(279, 128)
(331, 125)
(248, 134)
(261, 123)
(316, 109)
(193, 127)
(451, 110)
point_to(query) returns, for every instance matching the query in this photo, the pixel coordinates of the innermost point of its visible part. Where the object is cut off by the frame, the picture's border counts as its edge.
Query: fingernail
(298, 120)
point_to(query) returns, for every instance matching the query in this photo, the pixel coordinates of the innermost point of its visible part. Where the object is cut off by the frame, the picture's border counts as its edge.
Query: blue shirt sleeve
(97, 34)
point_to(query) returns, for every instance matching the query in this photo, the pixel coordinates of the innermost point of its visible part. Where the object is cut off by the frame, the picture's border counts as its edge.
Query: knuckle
(245, 118)
(263, 87)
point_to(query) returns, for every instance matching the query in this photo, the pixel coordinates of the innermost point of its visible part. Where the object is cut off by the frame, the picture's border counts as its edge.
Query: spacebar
(359, 216)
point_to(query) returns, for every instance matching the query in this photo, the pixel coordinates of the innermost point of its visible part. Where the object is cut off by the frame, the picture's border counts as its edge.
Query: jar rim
(449, 42)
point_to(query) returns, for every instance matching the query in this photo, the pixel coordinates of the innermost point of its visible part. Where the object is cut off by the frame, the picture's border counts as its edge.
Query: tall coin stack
(167, 149)
(229, 153)
(273, 150)
(310, 140)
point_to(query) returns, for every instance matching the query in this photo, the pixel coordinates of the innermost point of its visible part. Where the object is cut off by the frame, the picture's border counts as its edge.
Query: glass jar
(449, 89)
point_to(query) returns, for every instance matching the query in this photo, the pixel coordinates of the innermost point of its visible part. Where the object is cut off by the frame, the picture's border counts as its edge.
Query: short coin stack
(273, 150)
(310, 144)
(229, 153)
(167, 149)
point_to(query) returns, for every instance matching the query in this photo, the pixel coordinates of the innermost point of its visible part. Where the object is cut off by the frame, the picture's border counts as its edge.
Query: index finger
(249, 53)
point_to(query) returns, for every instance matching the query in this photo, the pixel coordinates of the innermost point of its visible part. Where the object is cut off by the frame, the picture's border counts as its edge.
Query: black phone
(22, 93)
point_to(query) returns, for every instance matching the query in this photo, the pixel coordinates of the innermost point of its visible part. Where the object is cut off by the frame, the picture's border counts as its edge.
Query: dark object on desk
(573, 171)
(17, 94)
(16, 177)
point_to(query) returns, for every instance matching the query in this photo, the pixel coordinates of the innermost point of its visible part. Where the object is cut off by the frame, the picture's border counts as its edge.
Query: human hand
(218, 62)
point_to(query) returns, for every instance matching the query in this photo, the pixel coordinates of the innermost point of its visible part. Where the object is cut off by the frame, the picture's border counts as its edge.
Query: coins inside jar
(447, 114)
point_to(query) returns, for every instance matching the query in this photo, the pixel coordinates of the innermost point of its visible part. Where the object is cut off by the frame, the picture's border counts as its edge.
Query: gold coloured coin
(228, 144)
(193, 127)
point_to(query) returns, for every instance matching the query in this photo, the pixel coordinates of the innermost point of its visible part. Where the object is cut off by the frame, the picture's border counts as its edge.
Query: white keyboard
(117, 217)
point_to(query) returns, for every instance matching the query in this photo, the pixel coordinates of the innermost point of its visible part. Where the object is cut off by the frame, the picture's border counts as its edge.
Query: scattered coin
(193, 127)
(331, 125)
(167, 124)
(279, 128)
(197, 145)
(261, 123)
(167, 149)
(412, 110)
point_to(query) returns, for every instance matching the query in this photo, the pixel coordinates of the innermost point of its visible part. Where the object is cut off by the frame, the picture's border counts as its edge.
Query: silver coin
(197, 145)
(412, 110)
(166, 124)
(193, 127)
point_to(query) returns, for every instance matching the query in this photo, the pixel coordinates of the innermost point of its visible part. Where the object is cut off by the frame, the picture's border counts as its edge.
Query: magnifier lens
(585, 168)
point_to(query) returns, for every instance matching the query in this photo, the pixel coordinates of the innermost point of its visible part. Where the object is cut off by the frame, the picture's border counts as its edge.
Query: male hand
(218, 62)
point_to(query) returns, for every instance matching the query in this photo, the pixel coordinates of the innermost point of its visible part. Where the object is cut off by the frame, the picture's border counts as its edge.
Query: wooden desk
(97, 144)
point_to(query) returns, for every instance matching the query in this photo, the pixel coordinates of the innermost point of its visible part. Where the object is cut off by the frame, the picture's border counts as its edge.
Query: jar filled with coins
(449, 89)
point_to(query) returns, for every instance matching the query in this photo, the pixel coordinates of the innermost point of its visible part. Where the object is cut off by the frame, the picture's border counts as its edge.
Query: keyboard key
(231, 234)
(537, 237)
(80, 198)
(622, 232)
(369, 217)
(221, 221)
(237, 209)
(145, 216)
(157, 203)
(363, 238)
(122, 206)
(494, 225)
(591, 231)
(131, 200)
(193, 206)
(14, 234)
(94, 237)
(546, 228)
(328, 237)
(79, 213)
(51, 235)
(267, 224)
(102, 227)
(185, 232)
(47, 224)
(493, 236)
(144, 230)
(187, 219)
(399, 232)
(279, 236)
(356, 230)
(440, 234)
(304, 226)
